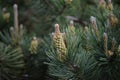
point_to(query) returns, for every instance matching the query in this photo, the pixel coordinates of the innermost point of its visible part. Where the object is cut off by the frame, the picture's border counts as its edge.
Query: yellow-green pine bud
(110, 6)
(71, 28)
(95, 28)
(16, 19)
(68, 1)
(59, 42)
(86, 29)
(21, 32)
(113, 44)
(102, 4)
(5, 14)
(34, 46)
(119, 49)
(113, 20)
(12, 34)
(110, 53)
(105, 37)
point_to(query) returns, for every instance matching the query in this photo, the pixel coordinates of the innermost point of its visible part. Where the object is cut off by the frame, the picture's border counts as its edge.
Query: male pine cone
(71, 28)
(6, 15)
(59, 43)
(34, 46)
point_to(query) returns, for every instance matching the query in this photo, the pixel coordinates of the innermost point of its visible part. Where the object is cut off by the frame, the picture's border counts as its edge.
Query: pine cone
(71, 28)
(6, 15)
(113, 20)
(59, 43)
(34, 46)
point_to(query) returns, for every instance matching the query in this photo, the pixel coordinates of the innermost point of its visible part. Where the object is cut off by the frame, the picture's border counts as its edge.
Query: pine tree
(92, 53)
(29, 56)
(85, 49)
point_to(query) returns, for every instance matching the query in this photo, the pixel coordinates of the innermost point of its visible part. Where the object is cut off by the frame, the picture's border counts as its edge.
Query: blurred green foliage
(38, 18)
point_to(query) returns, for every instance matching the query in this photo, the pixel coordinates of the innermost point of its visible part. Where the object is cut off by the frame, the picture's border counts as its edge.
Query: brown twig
(77, 20)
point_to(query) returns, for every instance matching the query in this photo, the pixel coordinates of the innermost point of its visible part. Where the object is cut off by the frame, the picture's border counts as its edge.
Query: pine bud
(21, 26)
(95, 28)
(68, 2)
(16, 18)
(11, 29)
(12, 33)
(113, 20)
(33, 46)
(102, 4)
(71, 23)
(86, 29)
(93, 20)
(86, 33)
(105, 37)
(110, 6)
(21, 32)
(110, 53)
(59, 43)
(4, 10)
(113, 44)
(5, 14)
(57, 30)
(119, 49)
(71, 28)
